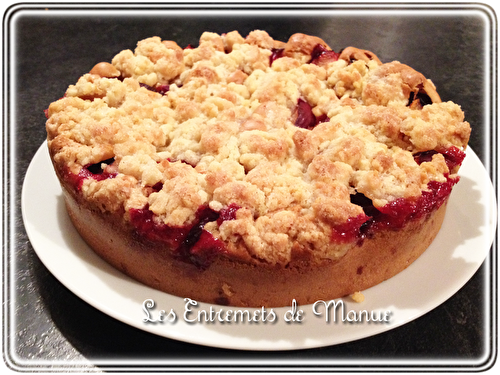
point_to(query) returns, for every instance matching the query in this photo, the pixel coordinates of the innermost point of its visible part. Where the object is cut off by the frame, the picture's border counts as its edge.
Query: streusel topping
(287, 133)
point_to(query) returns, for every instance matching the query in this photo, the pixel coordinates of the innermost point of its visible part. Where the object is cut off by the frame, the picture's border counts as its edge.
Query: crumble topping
(287, 132)
(358, 297)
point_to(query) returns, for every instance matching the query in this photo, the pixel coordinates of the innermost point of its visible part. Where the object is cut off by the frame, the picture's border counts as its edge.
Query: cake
(248, 171)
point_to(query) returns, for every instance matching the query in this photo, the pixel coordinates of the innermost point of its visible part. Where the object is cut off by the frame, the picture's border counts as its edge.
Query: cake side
(233, 282)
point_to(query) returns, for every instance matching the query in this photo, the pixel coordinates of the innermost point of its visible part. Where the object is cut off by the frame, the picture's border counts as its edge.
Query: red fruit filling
(350, 230)
(199, 246)
(394, 215)
(205, 249)
(305, 117)
(161, 89)
(228, 213)
(94, 171)
(276, 53)
(321, 55)
(190, 243)
(144, 222)
(157, 187)
(418, 100)
(453, 156)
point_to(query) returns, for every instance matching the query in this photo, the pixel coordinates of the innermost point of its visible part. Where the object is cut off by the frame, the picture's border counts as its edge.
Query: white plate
(458, 251)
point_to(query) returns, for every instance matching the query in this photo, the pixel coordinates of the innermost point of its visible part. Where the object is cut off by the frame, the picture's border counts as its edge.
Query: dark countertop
(49, 49)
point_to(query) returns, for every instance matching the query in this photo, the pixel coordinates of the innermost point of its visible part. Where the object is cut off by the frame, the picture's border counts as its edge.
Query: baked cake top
(283, 143)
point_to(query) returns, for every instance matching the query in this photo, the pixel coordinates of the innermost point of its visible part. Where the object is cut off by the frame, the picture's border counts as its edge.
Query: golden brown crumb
(223, 132)
(358, 297)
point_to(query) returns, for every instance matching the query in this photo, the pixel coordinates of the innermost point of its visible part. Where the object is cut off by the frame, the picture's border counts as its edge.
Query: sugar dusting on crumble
(224, 132)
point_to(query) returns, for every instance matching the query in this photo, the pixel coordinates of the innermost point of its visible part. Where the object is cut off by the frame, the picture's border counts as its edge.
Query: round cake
(248, 171)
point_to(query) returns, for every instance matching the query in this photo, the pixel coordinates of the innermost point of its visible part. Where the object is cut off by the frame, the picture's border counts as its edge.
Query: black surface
(52, 328)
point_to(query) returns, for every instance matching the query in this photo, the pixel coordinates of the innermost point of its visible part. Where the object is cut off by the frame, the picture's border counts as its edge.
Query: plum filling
(144, 221)
(190, 243)
(228, 213)
(393, 215)
(399, 212)
(199, 246)
(418, 100)
(160, 89)
(157, 187)
(204, 250)
(276, 53)
(321, 55)
(350, 230)
(94, 171)
(453, 156)
(424, 156)
(305, 117)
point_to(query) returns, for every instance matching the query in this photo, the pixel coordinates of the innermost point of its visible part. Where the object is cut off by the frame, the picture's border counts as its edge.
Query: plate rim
(42, 152)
